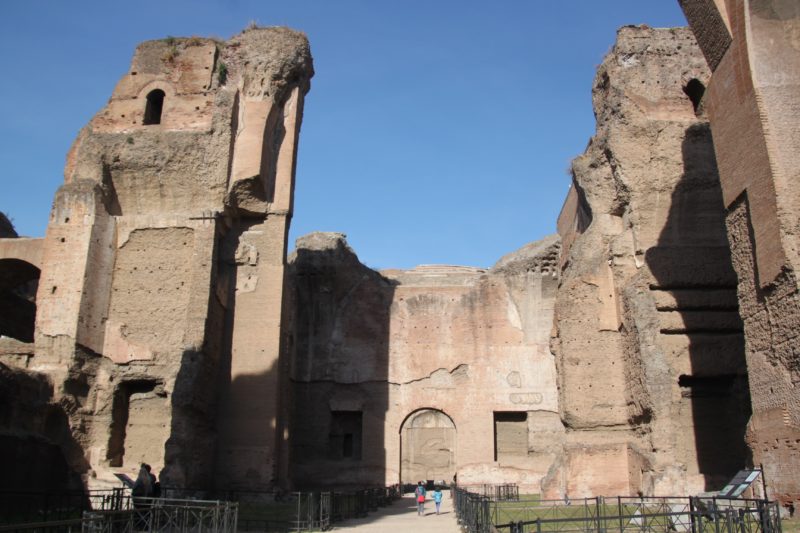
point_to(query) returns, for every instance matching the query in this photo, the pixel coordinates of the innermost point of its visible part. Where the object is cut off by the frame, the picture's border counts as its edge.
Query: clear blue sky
(434, 132)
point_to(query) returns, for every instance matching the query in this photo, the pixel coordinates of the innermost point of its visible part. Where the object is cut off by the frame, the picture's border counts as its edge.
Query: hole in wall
(154, 107)
(695, 91)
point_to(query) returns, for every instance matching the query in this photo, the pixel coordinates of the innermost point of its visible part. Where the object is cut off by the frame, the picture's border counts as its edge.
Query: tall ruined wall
(421, 374)
(753, 101)
(652, 379)
(159, 303)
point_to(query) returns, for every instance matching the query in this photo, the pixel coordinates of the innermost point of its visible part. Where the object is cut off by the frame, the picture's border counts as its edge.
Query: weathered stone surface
(607, 360)
(753, 104)
(160, 289)
(428, 358)
(646, 275)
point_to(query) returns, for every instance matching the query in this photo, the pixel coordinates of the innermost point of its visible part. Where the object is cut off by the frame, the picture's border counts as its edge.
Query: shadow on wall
(695, 294)
(18, 283)
(339, 348)
(227, 418)
(38, 450)
(201, 384)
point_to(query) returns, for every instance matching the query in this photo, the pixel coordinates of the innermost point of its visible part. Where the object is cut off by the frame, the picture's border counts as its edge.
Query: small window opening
(695, 91)
(344, 438)
(155, 105)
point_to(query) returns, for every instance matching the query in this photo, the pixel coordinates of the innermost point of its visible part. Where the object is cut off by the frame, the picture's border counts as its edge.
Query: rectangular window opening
(510, 434)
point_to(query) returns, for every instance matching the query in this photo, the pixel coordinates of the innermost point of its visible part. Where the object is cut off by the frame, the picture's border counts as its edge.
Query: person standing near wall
(419, 493)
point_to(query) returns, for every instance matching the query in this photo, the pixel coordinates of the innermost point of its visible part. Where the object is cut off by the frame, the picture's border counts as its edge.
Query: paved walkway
(401, 516)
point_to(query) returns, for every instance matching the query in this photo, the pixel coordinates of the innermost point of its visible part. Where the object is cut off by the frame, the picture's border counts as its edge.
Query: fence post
(619, 513)
(599, 505)
(691, 514)
(485, 514)
(644, 514)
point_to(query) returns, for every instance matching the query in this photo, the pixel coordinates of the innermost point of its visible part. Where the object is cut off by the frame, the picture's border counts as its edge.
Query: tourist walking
(437, 498)
(419, 492)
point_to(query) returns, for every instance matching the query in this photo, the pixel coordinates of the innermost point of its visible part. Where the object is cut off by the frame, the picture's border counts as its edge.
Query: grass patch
(790, 525)
(222, 72)
(273, 512)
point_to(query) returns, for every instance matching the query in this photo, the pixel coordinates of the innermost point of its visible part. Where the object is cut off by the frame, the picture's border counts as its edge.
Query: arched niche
(427, 446)
(154, 107)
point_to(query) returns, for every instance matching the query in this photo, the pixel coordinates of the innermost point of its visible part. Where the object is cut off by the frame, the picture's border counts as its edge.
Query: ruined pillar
(652, 379)
(260, 197)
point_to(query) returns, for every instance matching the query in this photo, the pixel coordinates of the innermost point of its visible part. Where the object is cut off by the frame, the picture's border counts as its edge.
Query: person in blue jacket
(437, 498)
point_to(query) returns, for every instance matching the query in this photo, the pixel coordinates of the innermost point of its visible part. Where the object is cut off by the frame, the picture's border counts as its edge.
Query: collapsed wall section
(648, 338)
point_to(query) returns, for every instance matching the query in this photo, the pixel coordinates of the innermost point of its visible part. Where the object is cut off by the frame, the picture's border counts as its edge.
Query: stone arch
(427, 446)
(19, 281)
(154, 107)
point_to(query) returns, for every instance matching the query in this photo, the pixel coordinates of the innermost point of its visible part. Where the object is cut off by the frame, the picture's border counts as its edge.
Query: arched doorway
(18, 283)
(427, 447)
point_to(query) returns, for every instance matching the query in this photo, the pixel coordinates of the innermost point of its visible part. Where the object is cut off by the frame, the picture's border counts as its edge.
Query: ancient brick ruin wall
(161, 289)
(647, 335)
(163, 327)
(414, 374)
(752, 102)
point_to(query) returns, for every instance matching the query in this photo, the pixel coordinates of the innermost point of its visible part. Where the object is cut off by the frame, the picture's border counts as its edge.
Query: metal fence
(115, 510)
(480, 514)
(503, 492)
(165, 515)
(319, 510)
(472, 510)
(126, 515)
(28, 506)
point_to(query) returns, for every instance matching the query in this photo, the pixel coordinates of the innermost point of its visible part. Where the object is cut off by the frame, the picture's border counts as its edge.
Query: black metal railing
(472, 510)
(116, 510)
(308, 511)
(478, 513)
(501, 492)
(319, 510)
(18, 507)
(125, 514)
(156, 515)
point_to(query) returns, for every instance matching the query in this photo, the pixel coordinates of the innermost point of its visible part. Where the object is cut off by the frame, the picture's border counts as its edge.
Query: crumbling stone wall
(35, 440)
(171, 333)
(648, 339)
(427, 358)
(752, 103)
(161, 288)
